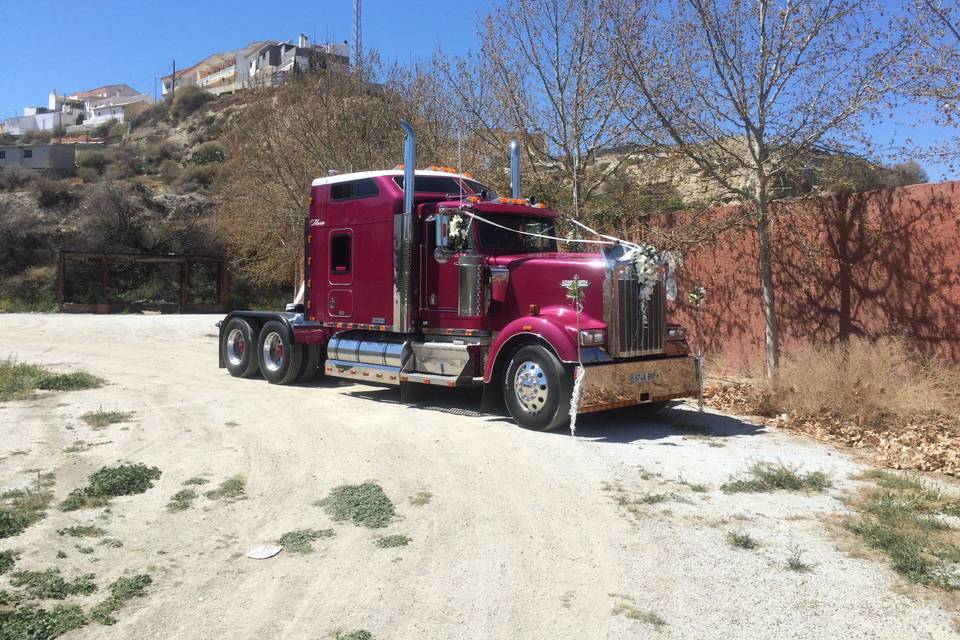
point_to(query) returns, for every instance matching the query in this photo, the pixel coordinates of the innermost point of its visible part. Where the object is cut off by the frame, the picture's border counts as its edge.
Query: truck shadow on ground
(623, 426)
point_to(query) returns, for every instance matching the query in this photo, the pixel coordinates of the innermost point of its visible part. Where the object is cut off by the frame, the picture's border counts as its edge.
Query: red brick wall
(868, 264)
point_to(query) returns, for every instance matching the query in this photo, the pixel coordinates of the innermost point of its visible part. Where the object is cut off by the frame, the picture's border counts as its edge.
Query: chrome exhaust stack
(403, 239)
(514, 169)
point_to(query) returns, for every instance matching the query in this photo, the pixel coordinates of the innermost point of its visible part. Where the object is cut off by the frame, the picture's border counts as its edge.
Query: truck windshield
(493, 238)
(444, 184)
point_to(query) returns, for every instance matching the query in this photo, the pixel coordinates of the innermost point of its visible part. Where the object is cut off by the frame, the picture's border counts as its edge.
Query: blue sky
(80, 44)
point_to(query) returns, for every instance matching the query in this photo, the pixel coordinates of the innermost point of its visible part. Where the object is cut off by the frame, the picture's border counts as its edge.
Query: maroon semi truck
(391, 297)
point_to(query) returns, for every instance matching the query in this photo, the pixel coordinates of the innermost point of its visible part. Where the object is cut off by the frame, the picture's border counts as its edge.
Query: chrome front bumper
(623, 384)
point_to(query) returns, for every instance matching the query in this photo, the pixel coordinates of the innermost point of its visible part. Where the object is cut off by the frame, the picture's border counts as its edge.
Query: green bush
(96, 160)
(102, 130)
(188, 100)
(208, 153)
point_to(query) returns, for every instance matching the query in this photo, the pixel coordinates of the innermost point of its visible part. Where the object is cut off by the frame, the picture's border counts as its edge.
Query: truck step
(373, 373)
(439, 380)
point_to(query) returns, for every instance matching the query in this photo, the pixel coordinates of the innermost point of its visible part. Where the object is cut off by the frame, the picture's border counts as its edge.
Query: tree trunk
(772, 342)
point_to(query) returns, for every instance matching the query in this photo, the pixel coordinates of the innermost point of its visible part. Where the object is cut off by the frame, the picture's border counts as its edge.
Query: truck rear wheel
(537, 388)
(280, 358)
(238, 348)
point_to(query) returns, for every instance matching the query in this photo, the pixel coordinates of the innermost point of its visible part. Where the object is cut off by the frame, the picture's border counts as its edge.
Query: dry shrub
(865, 382)
(877, 394)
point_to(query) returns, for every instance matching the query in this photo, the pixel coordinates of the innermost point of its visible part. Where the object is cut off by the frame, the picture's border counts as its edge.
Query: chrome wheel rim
(236, 347)
(530, 387)
(273, 352)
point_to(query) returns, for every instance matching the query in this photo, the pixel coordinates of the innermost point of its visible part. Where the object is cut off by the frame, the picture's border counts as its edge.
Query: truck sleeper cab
(449, 284)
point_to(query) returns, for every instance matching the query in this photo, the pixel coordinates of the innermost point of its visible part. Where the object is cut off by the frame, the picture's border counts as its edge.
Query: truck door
(340, 275)
(440, 286)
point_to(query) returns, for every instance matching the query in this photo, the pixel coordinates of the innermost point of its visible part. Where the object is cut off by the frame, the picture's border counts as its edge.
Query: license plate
(643, 376)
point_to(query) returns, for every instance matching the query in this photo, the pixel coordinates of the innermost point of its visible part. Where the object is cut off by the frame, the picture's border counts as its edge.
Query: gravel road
(523, 537)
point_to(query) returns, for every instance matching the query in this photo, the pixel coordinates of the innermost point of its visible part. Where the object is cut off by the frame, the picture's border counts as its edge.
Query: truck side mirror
(671, 260)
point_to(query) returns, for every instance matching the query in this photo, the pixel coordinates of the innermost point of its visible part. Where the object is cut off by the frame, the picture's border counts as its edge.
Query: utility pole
(173, 82)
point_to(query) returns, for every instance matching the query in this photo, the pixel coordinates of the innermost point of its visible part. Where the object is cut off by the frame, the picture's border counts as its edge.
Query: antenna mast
(357, 45)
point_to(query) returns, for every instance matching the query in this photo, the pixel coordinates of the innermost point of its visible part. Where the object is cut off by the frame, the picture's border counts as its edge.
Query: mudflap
(624, 384)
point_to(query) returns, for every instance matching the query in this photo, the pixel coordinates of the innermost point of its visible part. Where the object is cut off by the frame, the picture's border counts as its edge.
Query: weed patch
(19, 379)
(181, 500)
(113, 543)
(627, 610)
(20, 508)
(232, 488)
(49, 584)
(359, 634)
(742, 540)
(81, 531)
(35, 623)
(363, 504)
(122, 590)
(386, 542)
(7, 560)
(421, 498)
(299, 541)
(767, 476)
(99, 419)
(109, 482)
(196, 480)
(898, 516)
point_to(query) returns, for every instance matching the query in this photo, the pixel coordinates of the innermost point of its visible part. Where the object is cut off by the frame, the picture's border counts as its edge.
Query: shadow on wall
(868, 264)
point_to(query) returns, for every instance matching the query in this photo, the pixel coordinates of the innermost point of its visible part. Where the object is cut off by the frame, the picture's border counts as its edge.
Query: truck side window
(353, 189)
(339, 253)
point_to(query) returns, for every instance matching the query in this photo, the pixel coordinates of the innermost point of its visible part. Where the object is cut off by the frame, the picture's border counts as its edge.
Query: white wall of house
(20, 125)
(50, 121)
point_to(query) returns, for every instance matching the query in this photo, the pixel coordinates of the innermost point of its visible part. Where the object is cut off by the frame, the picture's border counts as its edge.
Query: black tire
(311, 363)
(547, 391)
(280, 362)
(238, 348)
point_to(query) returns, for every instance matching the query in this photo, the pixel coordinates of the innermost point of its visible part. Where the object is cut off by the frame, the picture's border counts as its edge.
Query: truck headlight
(676, 333)
(591, 337)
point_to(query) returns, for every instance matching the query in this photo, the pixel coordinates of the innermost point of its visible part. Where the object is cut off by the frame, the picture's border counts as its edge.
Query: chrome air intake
(403, 239)
(514, 169)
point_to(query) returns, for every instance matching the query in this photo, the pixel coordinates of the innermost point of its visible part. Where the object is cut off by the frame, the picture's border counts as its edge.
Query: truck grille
(636, 327)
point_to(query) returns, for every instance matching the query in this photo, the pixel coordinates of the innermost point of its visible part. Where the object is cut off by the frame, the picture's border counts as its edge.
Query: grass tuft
(181, 500)
(195, 480)
(767, 476)
(386, 542)
(299, 541)
(109, 482)
(795, 562)
(31, 622)
(81, 531)
(232, 488)
(121, 591)
(364, 504)
(99, 419)
(51, 585)
(742, 540)
(898, 516)
(359, 634)
(19, 379)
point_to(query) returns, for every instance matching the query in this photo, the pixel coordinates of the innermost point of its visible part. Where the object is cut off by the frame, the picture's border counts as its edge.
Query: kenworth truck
(392, 296)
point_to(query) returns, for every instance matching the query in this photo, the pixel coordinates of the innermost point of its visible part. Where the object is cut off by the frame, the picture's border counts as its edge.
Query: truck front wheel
(280, 358)
(537, 388)
(238, 348)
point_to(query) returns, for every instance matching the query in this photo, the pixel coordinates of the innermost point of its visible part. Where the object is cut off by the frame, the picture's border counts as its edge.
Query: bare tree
(543, 74)
(278, 143)
(746, 89)
(934, 68)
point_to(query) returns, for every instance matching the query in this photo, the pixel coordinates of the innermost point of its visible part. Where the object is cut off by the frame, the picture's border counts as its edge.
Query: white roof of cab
(346, 177)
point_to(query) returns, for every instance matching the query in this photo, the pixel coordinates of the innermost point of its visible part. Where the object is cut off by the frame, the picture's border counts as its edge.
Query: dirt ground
(522, 538)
